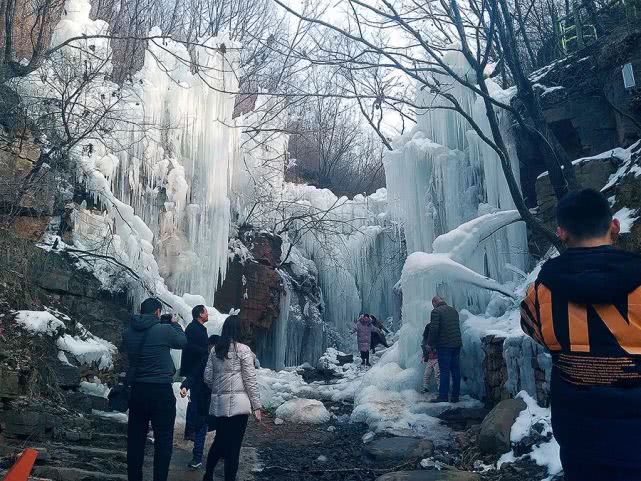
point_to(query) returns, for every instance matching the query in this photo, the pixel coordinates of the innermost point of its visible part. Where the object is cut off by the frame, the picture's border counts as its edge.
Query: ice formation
(357, 253)
(458, 216)
(161, 178)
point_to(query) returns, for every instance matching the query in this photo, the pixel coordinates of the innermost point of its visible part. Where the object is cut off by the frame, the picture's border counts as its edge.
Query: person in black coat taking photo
(192, 366)
(148, 344)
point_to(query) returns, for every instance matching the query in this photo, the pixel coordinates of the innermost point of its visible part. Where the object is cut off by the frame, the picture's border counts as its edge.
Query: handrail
(21, 470)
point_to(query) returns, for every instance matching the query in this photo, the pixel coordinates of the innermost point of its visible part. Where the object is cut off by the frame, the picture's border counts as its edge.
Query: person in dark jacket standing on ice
(445, 336)
(585, 308)
(151, 371)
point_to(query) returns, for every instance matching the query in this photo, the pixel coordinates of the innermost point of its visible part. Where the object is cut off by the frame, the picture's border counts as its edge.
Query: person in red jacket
(585, 308)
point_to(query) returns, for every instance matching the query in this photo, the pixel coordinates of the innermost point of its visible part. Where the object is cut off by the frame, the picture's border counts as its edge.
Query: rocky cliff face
(280, 302)
(252, 283)
(586, 104)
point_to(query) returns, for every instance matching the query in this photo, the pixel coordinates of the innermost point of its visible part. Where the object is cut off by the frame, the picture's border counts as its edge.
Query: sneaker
(438, 400)
(193, 464)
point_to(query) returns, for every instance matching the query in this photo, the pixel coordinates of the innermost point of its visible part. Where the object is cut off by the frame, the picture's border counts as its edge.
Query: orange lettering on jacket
(544, 297)
(578, 327)
(627, 333)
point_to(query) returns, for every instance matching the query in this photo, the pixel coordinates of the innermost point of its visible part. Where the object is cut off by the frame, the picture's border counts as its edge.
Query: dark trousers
(153, 403)
(377, 339)
(230, 432)
(588, 469)
(190, 421)
(365, 357)
(449, 364)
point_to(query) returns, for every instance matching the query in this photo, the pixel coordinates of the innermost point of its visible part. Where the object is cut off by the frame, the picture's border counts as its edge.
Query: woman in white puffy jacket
(231, 375)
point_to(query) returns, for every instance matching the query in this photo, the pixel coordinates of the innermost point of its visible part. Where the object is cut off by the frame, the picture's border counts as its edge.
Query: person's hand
(258, 415)
(183, 392)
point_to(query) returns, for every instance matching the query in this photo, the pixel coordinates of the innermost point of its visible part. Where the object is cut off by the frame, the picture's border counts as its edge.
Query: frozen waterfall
(447, 190)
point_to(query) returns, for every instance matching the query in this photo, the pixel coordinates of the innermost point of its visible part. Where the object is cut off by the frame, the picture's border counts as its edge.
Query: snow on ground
(40, 322)
(88, 349)
(306, 411)
(385, 396)
(544, 454)
(278, 387)
(627, 166)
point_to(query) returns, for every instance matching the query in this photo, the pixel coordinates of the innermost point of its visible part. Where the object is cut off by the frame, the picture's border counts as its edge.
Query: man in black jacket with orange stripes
(585, 307)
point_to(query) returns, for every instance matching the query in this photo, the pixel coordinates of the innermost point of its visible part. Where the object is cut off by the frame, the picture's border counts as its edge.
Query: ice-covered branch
(441, 267)
(460, 243)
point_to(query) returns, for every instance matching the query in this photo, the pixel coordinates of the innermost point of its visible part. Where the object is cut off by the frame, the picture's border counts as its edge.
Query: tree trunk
(532, 222)
(558, 163)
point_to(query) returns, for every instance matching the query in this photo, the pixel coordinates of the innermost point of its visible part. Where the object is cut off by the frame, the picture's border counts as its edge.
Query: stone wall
(592, 174)
(514, 364)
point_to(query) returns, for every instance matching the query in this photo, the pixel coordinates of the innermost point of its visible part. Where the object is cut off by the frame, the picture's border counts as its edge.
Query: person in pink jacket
(363, 330)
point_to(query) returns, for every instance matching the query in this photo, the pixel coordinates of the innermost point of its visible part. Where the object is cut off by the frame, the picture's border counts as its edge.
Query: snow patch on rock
(304, 411)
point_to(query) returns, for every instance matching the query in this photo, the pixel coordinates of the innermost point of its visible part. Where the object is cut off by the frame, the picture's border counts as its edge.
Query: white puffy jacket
(232, 381)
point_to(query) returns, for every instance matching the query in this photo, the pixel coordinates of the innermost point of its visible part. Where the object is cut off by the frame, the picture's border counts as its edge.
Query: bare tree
(480, 34)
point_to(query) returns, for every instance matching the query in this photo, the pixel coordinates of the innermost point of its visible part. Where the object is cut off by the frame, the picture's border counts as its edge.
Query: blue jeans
(200, 435)
(449, 364)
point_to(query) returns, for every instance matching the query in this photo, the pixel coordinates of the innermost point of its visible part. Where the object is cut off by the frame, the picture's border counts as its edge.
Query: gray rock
(79, 401)
(430, 476)
(399, 449)
(98, 403)
(346, 359)
(24, 424)
(67, 376)
(494, 437)
(10, 386)
(464, 417)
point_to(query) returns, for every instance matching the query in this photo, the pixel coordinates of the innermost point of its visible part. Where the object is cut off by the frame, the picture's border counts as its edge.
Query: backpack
(120, 394)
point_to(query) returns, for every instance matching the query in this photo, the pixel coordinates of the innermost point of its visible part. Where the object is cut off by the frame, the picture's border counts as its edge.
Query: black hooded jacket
(196, 349)
(585, 308)
(155, 364)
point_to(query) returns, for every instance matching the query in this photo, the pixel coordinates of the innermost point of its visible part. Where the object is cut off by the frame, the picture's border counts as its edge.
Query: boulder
(67, 376)
(24, 425)
(345, 359)
(399, 449)
(494, 437)
(10, 386)
(463, 418)
(79, 401)
(98, 403)
(430, 476)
